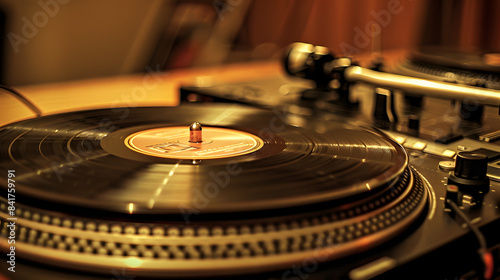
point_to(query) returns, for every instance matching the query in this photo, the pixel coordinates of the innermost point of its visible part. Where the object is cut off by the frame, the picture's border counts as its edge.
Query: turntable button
(447, 165)
(462, 148)
(451, 194)
(469, 200)
(449, 153)
(400, 140)
(419, 146)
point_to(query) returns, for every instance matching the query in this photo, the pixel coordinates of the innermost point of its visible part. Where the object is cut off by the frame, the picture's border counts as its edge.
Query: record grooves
(277, 195)
(83, 164)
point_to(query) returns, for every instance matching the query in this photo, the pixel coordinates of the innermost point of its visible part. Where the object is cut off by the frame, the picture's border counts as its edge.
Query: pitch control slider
(422, 87)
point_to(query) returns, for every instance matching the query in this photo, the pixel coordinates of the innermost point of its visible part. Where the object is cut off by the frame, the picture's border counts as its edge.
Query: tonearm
(318, 64)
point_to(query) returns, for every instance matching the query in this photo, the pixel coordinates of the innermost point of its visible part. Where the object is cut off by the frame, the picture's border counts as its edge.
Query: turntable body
(323, 197)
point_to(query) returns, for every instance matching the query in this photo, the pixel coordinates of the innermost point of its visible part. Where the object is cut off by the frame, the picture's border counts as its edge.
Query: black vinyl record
(82, 159)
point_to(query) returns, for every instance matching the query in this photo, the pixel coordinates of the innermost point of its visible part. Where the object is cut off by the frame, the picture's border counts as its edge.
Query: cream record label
(173, 143)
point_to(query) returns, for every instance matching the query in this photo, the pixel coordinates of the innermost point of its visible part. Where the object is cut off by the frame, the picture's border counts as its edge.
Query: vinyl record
(140, 160)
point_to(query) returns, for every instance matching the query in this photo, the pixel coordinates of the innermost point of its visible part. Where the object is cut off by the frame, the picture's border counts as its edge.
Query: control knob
(470, 173)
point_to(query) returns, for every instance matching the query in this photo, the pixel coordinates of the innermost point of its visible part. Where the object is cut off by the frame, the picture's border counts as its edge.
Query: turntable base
(302, 195)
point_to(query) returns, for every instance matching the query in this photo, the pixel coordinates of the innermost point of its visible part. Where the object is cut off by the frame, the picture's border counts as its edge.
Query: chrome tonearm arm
(318, 64)
(423, 87)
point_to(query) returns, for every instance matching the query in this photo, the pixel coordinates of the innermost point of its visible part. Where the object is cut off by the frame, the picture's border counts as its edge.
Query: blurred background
(47, 41)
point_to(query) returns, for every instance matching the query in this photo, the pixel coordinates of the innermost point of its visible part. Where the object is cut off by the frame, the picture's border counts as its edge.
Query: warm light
(130, 208)
(158, 191)
(151, 203)
(133, 262)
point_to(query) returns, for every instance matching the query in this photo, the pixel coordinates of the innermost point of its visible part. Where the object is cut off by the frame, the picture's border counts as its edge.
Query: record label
(173, 143)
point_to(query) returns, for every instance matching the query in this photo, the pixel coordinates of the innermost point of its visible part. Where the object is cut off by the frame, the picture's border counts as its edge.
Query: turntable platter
(84, 159)
(474, 69)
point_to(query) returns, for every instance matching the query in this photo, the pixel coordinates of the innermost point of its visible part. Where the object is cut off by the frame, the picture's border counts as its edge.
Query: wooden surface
(150, 89)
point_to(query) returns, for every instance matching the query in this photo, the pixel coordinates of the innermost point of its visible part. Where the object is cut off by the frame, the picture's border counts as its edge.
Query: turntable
(221, 190)
(244, 199)
(350, 176)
